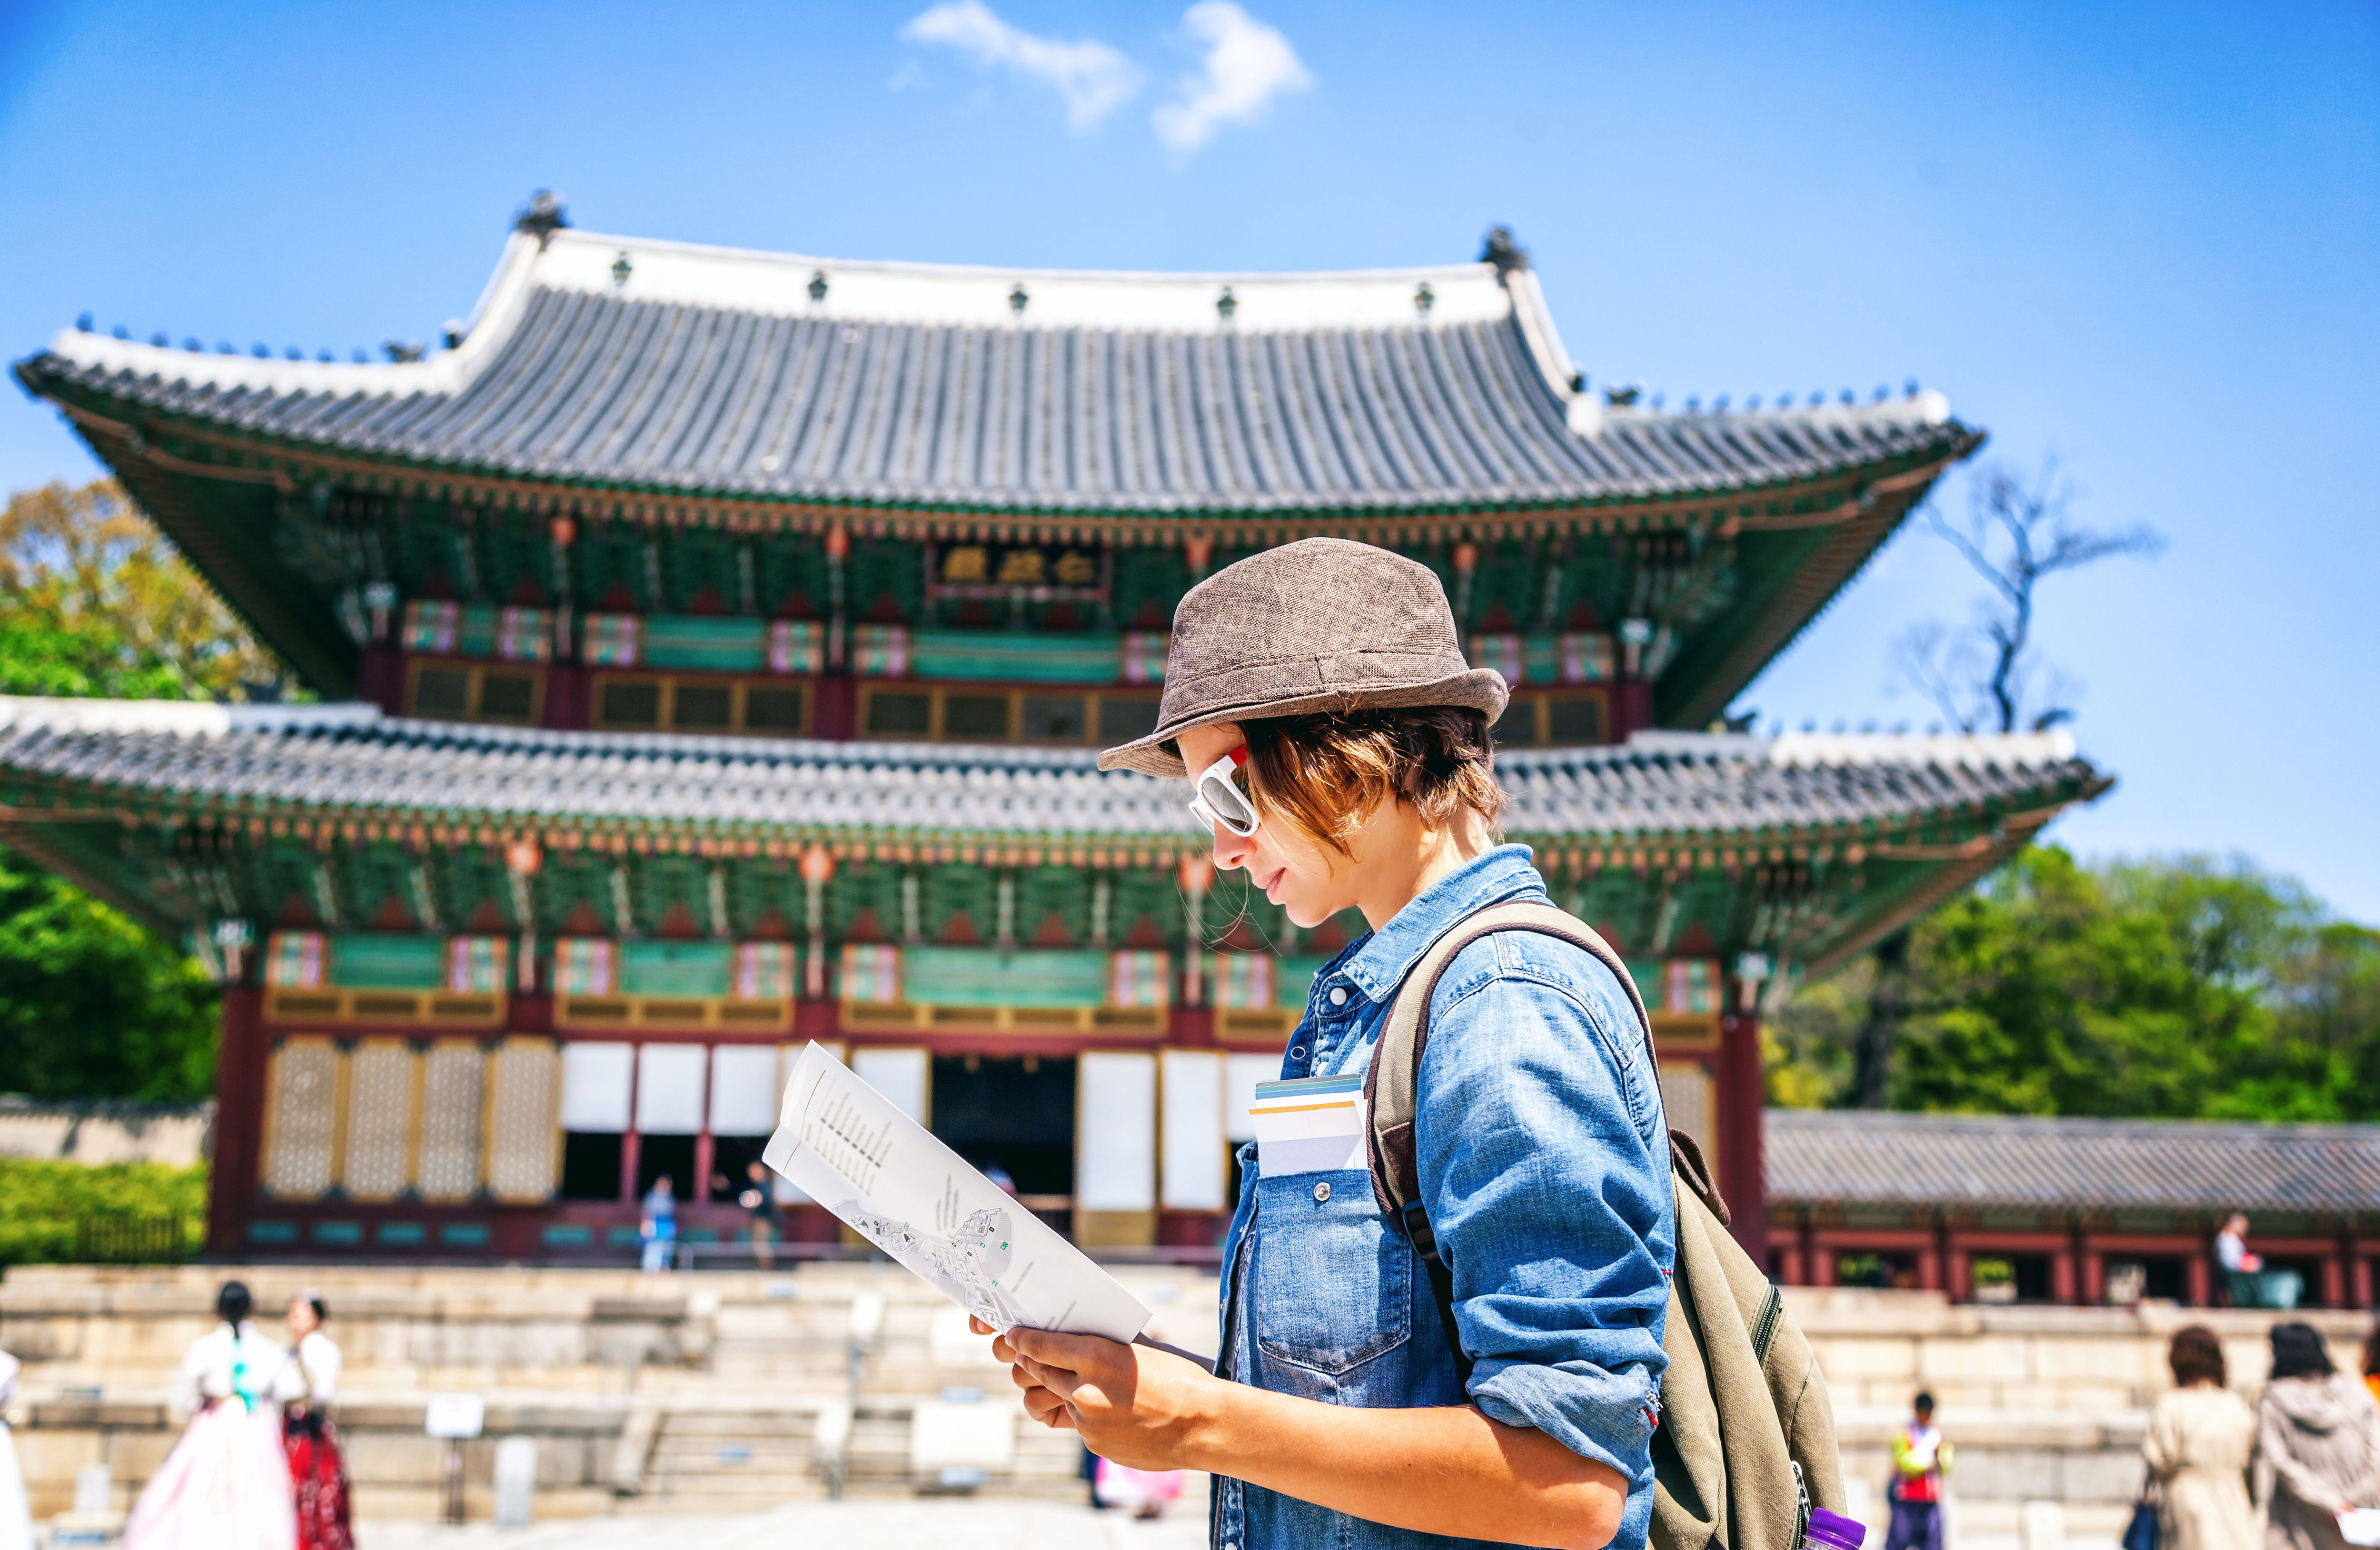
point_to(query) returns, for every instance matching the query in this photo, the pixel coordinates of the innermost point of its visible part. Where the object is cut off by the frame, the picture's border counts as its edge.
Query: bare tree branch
(2015, 536)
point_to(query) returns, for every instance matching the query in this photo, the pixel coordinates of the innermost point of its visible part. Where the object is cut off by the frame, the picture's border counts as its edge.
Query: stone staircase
(715, 1392)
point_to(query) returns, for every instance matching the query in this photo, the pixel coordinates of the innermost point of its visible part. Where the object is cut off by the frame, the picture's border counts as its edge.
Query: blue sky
(2141, 237)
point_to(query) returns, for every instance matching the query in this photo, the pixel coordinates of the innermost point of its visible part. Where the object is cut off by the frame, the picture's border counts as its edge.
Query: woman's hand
(1140, 1405)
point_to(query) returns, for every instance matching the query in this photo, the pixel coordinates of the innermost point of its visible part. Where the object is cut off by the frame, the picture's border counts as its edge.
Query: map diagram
(965, 1264)
(850, 1148)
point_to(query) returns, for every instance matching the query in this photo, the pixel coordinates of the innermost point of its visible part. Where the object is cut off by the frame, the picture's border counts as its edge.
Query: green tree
(2179, 989)
(94, 601)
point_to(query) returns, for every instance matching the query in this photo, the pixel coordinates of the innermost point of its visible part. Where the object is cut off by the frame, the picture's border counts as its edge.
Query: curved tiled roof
(708, 373)
(350, 757)
(1989, 1160)
(1705, 783)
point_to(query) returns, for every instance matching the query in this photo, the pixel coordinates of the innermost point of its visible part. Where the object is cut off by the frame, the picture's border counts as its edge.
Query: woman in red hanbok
(318, 1475)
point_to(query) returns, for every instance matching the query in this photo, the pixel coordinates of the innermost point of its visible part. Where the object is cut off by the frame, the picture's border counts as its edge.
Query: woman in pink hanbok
(225, 1485)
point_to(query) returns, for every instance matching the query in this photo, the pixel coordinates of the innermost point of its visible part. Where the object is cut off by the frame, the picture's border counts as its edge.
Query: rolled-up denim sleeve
(1544, 1163)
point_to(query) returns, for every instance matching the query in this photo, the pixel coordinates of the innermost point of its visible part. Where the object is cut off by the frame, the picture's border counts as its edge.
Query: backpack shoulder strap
(1391, 1087)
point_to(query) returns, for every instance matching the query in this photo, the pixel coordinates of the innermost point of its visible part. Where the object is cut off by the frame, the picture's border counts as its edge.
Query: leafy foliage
(94, 601)
(2184, 988)
(90, 1004)
(43, 1204)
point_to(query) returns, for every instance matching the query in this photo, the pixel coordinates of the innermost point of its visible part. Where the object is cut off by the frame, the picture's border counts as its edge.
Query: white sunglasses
(1216, 799)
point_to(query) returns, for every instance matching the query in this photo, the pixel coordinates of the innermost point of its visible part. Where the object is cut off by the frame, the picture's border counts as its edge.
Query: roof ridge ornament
(817, 287)
(1423, 298)
(542, 216)
(1017, 299)
(1504, 251)
(1226, 304)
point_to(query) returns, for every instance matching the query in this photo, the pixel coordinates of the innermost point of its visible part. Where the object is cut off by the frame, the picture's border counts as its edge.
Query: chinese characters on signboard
(1039, 570)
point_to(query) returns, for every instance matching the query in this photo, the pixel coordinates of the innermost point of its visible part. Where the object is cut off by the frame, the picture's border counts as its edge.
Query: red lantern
(818, 864)
(523, 856)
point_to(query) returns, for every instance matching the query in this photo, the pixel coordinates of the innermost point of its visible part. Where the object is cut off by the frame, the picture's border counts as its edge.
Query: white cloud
(1091, 78)
(1247, 65)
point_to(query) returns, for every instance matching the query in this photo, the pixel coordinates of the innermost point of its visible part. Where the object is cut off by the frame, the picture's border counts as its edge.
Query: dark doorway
(1014, 1112)
(2167, 1279)
(673, 1154)
(590, 1164)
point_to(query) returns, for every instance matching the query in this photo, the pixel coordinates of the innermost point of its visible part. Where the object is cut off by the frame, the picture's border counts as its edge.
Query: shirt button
(1338, 994)
(1321, 1191)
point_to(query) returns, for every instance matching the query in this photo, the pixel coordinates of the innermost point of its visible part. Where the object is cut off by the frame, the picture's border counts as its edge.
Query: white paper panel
(743, 1089)
(669, 1089)
(1193, 1091)
(1115, 1132)
(904, 1076)
(595, 1086)
(1243, 1073)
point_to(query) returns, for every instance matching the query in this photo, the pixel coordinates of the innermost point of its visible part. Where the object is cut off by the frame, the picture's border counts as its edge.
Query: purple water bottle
(1832, 1530)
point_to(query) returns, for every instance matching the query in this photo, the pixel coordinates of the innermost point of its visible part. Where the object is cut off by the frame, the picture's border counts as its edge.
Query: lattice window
(378, 1164)
(524, 1120)
(453, 1109)
(302, 1119)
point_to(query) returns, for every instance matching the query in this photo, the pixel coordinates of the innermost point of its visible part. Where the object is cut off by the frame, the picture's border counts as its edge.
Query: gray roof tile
(1955, 1161)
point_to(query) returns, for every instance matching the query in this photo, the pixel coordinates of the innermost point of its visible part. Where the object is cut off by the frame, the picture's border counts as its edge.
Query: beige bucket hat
(1319, 624)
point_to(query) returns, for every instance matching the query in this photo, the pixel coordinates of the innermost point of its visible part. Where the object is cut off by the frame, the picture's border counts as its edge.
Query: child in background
(1920, 1460)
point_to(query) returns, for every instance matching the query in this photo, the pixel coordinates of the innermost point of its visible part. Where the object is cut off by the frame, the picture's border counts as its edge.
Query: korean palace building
(714, 647)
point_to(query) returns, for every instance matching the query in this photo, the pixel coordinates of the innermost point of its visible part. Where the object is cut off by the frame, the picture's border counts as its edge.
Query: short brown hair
(2195, 1356)
(1325, 773)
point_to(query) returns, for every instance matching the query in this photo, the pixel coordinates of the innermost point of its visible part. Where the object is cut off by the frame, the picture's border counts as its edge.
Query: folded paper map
(845, 1145)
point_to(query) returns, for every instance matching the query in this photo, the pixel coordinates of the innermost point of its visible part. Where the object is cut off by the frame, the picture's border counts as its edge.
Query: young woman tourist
(225, 1485)
(2201, 1438)
(1318, 697)
(318, 1471)
(2317, 1445)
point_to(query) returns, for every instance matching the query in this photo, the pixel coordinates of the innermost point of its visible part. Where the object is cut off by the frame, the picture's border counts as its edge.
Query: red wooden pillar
(381, 680)
(2201, 1281)
(2334, 1278)
(567, 702)
(239, 1117)
(1741, 1171)
(836, 713)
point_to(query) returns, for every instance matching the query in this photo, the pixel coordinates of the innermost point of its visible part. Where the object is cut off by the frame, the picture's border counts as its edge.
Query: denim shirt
(1544, 1161)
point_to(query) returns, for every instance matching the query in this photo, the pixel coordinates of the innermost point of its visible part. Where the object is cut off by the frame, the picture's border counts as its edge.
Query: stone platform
(734, 1391)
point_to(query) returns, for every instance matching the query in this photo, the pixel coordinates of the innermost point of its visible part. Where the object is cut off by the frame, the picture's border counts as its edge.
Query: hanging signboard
(1042, 572)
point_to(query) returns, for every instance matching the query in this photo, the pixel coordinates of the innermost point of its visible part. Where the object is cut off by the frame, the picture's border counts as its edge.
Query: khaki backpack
(1745, 1446)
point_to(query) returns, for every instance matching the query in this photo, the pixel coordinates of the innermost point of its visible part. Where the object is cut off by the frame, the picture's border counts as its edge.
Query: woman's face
(1310, 881)
(302, 1321)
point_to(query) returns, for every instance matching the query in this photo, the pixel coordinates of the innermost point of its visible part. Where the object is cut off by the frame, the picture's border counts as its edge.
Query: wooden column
(239, 1119)
(1741, 1172)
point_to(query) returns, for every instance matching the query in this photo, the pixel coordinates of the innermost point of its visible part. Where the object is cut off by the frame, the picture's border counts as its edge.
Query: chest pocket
(1333, 1282)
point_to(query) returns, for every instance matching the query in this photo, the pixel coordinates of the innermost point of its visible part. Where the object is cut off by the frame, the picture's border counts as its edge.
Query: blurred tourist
(658, 1227)
(2248, 1282)
(760, 1198)
(225, 1485)
(1920, 1460)
(16, 1521)
(2318, 1445)
(318, 1470)
(1146, 1492)
(2201, 1437)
